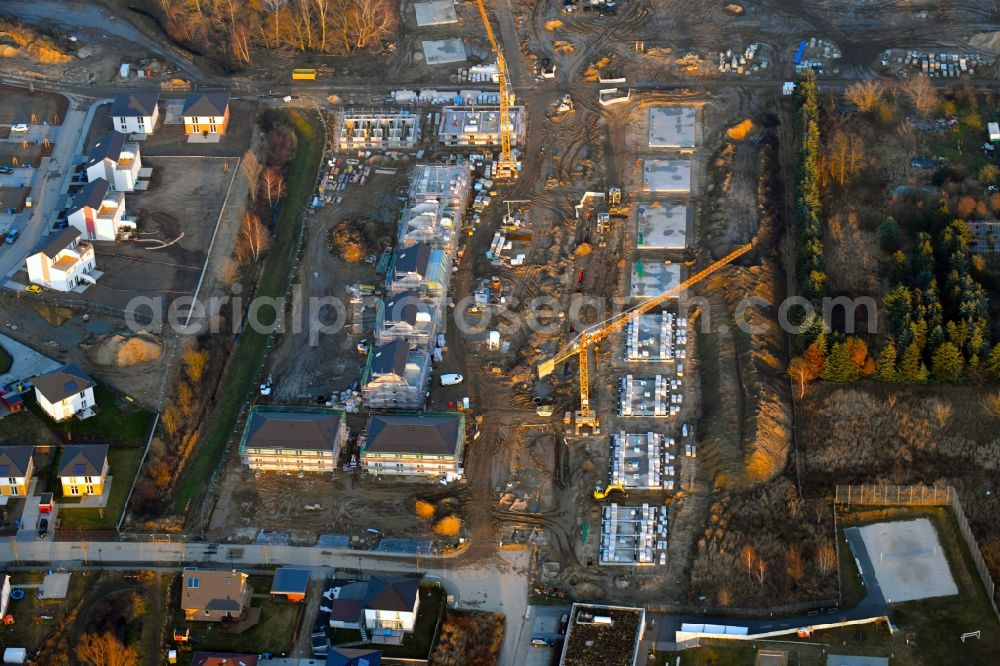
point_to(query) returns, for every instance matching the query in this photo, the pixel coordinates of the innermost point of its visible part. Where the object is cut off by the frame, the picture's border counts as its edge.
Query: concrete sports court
(908, 559)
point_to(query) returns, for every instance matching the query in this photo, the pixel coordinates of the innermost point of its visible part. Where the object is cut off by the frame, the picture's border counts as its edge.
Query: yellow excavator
(580, 346)
(602, 493)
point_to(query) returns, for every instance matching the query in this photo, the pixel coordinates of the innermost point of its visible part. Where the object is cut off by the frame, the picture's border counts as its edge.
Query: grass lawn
(26, 632)
(124, 464)
(274, 633)
(252, 346)
(934, 626)
(114, 423)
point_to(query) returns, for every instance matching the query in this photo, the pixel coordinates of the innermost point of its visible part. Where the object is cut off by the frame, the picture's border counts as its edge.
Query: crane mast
(580, 347)
(506, 165)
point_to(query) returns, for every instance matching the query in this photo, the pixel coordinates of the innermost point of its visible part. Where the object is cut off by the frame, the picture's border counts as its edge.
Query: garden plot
(908, 559)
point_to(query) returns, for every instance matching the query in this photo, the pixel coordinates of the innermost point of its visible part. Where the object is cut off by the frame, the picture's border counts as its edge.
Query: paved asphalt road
(497, 585)
(49, 182)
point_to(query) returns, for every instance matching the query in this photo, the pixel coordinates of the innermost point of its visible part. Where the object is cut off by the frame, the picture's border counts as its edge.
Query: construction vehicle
(580, 345)
(506, 166)
(602, 493)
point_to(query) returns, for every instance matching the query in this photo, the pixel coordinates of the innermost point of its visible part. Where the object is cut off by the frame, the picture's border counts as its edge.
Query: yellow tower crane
(506, 165)
(580, 345)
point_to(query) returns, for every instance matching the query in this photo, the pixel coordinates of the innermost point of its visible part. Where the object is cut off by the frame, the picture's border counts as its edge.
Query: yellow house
(206, 114)
(16, 469)
(83, 469)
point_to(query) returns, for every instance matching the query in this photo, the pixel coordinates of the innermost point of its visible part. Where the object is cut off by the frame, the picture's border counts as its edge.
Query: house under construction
(377, 130)
(478, 125)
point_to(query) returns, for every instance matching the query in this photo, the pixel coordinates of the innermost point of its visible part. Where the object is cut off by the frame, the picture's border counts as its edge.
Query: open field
(30, 630)
(20, 105)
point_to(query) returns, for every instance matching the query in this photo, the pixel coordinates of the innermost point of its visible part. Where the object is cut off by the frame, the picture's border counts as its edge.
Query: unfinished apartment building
(645, 461)
(396, 376)
(377, 130)
(478, 125)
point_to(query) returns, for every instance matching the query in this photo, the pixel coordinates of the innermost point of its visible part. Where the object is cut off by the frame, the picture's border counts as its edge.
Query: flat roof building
(605, 635)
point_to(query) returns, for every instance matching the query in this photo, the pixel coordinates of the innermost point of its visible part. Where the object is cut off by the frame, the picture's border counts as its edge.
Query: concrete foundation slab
(443, 51)
(435, 12)
(651, 278)
(673, 176)
(671, 127)
(908, 559)
(662, 227)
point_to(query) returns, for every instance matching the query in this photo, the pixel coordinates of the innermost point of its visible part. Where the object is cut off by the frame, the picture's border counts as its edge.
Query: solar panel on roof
(69, 387)
(79, 468)
(4, 470)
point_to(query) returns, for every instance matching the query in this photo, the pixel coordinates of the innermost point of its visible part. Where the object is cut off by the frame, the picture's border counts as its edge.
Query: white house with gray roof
(99, 213)
(65, 393)
(136, 114)
(115, 160)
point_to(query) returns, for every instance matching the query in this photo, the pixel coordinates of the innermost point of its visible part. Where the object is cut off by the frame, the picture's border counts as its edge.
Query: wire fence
(874, 495)
(827, 604)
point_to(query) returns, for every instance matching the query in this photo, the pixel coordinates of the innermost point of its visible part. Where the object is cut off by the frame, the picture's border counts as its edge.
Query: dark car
(43, 528)
(6, 170)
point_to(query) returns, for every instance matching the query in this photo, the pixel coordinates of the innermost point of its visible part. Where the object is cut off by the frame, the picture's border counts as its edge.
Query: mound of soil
(353, 240)
(123, 352)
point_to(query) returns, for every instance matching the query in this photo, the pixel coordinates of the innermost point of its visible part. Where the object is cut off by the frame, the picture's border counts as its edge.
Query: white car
(451, 380)
(19, 128)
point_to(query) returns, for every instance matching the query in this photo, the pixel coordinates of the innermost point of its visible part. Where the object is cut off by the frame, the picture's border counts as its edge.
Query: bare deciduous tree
(795, 567)
(724, 596)
(105, 650)
(826, 558)
(865, 95)
(922, 94)
(759, 570)
(747, 558)
(371, 21)
(273, 184)
(254, 239)
(251, 168)
(195, 361)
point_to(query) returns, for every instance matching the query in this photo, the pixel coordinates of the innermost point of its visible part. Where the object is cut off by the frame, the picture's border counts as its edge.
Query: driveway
(542, 622)
(26, 361)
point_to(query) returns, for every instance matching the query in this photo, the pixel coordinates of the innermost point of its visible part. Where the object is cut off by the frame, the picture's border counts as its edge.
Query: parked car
(11, 236)
(43, 528)
(539, 641)
(451, 379)
(33, 289)
(6, 170)
(20, 128)
(265, 388)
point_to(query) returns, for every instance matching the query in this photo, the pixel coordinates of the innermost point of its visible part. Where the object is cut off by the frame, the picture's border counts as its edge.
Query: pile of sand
(554, 24)
(986, 41)
(19, 41)
(740, 131)
(122, 352)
